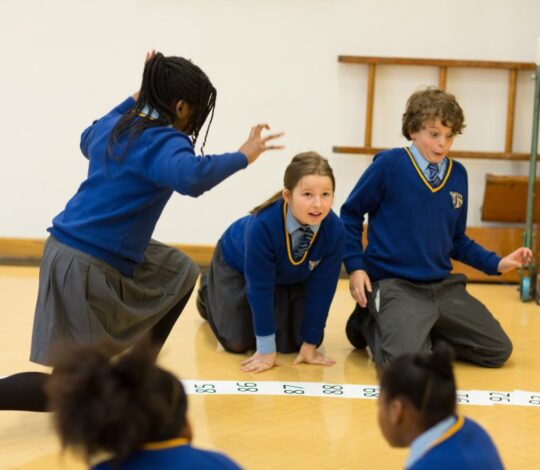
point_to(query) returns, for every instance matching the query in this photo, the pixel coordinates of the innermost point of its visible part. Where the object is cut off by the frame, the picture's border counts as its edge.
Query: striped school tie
(303, 243)
(433, 176)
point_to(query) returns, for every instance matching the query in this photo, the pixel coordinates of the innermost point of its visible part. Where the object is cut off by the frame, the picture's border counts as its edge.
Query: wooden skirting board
(502, 240)
(27, 251)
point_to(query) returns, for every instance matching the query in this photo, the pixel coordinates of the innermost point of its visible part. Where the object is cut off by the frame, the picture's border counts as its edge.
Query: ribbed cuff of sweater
(312, 335)
(354, 263)
(266, 344)
(492, 264)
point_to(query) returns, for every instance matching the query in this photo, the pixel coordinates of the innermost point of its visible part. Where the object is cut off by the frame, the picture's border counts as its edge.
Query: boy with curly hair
(416, 198)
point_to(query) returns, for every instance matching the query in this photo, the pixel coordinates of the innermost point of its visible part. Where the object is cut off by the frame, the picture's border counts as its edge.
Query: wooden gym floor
(268, 432)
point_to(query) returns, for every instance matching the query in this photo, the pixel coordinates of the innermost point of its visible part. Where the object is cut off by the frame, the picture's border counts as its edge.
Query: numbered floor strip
(369, 392)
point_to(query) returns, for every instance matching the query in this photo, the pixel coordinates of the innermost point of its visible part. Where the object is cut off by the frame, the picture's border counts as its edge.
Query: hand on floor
(259, 363)
(308, 353)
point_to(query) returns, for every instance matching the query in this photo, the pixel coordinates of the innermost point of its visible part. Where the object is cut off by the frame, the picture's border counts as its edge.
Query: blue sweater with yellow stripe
(414, 230)
(466, 446)
(259, 247)
(169, 455)
(115, 210)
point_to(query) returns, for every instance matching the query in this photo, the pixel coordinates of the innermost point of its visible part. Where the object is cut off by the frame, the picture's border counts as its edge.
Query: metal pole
(529, 283)
(532, 165)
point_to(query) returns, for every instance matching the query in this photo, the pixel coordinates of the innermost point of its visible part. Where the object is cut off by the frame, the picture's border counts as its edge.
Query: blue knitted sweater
(414, 230)
(115, 210)
(259, 247)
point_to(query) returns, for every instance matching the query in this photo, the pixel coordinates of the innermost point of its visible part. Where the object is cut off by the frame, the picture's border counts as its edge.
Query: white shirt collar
(293, 225)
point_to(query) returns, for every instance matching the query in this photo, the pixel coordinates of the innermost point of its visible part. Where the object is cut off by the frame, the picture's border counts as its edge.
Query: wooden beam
(442, 77)
(369, 105)
(511, 156)
(512, 80)
(482, 64)
(442, 64)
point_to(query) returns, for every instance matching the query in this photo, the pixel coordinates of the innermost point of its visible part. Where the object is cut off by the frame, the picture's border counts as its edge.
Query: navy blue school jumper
(102, 277)
(256, 288)
(414, 231)
(464, 446)
(169, 455)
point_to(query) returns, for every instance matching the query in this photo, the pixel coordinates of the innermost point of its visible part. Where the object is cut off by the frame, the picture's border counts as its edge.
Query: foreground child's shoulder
(334, 223)
(391, 157)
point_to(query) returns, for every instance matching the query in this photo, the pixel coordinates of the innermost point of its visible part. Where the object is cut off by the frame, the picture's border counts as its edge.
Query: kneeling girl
(274, 272)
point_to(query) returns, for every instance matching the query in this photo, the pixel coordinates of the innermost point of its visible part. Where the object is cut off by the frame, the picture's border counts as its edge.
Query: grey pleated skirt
(84, 300)
(222, 301)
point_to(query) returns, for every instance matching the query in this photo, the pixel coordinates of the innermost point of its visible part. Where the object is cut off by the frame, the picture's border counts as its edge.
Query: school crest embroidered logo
(313, 264)
(457, 199)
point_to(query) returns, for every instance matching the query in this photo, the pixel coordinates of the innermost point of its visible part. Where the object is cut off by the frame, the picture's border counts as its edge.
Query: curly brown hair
(428, 105)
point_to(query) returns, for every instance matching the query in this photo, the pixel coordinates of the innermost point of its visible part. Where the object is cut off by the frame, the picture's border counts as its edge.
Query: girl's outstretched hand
(258, 363)
(308, 353)
(151, 53)
(517, 259)
(257, 144)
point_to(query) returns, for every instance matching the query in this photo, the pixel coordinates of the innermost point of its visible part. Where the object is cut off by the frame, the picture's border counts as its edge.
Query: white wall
(66, 62)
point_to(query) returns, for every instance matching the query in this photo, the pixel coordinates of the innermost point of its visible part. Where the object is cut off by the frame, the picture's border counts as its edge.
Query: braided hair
(167, 80)
(426, 380)
(114, 406)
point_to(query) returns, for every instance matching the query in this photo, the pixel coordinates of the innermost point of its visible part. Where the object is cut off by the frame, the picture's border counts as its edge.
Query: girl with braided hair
(102, 277)
(125, 414)
(417, 409)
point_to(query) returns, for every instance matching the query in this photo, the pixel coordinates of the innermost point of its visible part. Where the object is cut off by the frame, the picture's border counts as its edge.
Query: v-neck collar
(288, 240)
(422, 176)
